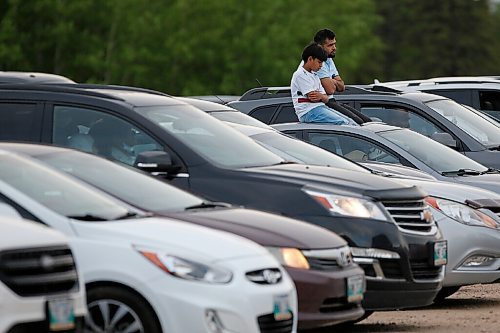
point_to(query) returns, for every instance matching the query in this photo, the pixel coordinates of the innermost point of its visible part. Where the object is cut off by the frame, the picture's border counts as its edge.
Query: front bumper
(411, 274)
(24, 313)
(323, 296)
(182, 305)
(465, 241)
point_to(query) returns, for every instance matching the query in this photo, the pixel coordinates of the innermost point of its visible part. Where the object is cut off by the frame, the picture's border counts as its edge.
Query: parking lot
(472, 309)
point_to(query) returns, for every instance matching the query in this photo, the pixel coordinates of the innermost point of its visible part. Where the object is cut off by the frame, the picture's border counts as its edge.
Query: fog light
(373, 253)
(213, 322)
(478, 261)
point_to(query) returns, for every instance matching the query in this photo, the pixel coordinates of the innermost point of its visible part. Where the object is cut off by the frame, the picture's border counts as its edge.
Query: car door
(21, 120)
(104, 133)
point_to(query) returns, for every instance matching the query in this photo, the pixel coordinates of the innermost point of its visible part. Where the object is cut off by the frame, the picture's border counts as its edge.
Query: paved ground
(472, 309)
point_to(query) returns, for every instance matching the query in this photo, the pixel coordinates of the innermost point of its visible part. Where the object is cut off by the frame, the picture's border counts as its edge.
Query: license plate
(355, 288)
(440, 253)
(61, 314)
(282, 309)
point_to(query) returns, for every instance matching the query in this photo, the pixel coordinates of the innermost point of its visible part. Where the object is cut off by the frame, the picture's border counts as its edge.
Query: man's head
(326, 38)
(313, 56)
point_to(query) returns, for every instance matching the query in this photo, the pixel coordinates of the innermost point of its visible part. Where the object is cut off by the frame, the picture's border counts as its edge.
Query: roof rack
(266, 92)
(64, 88)
(115, 87)
(382, 88)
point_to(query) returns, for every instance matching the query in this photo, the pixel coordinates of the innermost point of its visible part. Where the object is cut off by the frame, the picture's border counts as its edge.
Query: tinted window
(209, 137)
(401, 117)
(127, 184)
(437, 156)
(20, 122)
(56, 191)
(264, 113)
(490, 103)
(286, 115)
(299, 151)
(461, 96)
(476, 126)
(354, 148)
(100, 133)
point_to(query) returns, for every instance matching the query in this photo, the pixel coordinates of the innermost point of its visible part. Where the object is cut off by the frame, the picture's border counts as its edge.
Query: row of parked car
(322, 239)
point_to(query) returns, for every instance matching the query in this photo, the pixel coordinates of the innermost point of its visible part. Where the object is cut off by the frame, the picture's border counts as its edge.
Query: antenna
(260, 84)
(220, 99)
(376, 81)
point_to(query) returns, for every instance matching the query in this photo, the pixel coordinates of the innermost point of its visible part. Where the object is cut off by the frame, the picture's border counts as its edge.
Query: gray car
(378, 142)
(437, 117)
(474, 242)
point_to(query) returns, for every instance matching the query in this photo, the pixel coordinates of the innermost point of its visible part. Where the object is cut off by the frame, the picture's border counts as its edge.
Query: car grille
(323, 264)
(38, 271)
(329, 259)
(410, 215)
(336, 304)
(268, 324)
(422, 270)
(391, 268)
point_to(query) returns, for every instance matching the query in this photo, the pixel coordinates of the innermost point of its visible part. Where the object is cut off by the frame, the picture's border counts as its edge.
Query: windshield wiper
(494, 148)
(462, 172)
(87, 217)
(131, 215)
(490, 170)
(285, 162)
(208, 204)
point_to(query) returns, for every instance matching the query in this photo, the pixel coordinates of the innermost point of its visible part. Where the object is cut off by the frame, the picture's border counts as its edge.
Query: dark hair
(314, 50)
(322, 35)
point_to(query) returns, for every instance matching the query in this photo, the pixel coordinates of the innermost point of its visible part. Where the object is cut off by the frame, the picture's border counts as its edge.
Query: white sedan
(146, 274)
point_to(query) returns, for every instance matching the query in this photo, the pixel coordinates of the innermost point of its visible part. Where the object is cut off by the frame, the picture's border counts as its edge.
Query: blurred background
(195, 47)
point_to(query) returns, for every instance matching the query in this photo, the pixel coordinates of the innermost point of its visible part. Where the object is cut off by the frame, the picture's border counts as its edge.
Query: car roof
(205, 105)
(131, 95)
(32, 149)
(32, 77)
(440, 82)
(370, 126)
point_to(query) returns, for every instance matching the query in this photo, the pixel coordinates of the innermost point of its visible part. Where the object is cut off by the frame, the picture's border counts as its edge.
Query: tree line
(196, 47)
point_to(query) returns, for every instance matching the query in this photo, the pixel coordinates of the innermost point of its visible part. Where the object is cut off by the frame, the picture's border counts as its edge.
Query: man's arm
(339, 83)
(329, 85)
(316, 96)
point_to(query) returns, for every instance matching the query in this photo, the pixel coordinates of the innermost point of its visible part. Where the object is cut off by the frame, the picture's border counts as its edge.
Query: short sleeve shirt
(304, 82)
(328, 69)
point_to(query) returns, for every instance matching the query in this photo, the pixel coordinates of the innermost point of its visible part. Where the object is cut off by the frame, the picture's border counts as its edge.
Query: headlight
(187, 269)
(462, 213)
(349, 206)
(289, 257)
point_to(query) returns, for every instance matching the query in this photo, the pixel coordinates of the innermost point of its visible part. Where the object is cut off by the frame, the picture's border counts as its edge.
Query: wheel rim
(111, 316)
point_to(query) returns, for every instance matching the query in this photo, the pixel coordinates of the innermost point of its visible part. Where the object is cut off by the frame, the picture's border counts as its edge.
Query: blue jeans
(323, 114)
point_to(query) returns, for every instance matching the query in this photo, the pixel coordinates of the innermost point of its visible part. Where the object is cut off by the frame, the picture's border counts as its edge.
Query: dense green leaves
(224, 46)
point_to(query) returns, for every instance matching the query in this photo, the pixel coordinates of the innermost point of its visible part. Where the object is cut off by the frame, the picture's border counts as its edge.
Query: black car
(386, 223)
(434, 116)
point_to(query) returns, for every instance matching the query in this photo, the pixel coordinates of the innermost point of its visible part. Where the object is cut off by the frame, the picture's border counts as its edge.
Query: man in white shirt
(308, 95)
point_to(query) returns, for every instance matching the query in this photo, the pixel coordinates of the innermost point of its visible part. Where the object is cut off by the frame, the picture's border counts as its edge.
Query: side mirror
(156, 161)
(445, 139)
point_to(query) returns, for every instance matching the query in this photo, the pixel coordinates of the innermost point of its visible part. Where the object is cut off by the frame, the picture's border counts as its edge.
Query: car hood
(17, 233)
(453, 191)
(263, 228)
(398, 171)
(171, 236)
(489, 182)
(338, 181)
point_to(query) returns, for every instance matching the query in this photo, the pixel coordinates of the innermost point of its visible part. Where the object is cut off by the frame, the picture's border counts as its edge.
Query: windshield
(481, 129)
(238, 118)
(435, 155)
(56, 191)
(209, 137)
(302, 152)
(129, 185)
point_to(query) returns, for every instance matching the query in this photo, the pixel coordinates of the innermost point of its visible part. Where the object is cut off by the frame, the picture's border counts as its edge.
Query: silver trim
(342, 255)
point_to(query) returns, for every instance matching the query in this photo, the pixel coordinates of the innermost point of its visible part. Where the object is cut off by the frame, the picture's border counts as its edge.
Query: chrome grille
(38, 271)
(410, 215)
(329, 259)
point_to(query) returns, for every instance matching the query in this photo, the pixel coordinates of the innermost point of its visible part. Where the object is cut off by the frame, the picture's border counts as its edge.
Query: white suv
(147, 274)
(39, 286)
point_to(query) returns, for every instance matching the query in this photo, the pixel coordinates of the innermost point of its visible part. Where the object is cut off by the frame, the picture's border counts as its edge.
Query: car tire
(112, 309)
(445, 292)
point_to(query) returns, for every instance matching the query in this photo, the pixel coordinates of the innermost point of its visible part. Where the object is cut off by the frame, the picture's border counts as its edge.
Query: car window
(209, 137)
(286, 115)
(401, 117)
(435, 155)
(490, 103)
(354, 148)
(476, 126)
(264, 113)
(99, 133)
(463, 96)
(20, 121)
(56, 191)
